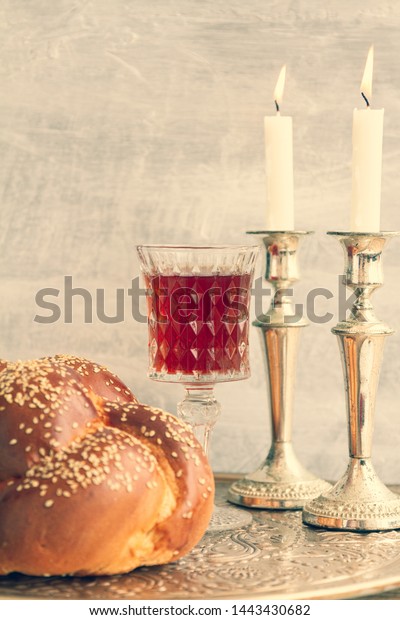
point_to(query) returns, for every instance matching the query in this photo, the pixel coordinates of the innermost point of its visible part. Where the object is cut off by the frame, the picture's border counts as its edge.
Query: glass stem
(201, 410)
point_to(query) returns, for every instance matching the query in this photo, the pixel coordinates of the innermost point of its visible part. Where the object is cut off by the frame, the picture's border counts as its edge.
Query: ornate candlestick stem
(281, 482)
(359, 501)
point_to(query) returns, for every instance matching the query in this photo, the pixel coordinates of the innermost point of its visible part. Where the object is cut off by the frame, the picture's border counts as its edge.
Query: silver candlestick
(281, 482)
(359, 501)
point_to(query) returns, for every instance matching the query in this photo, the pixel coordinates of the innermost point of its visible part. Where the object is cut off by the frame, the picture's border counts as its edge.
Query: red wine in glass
(198, 325)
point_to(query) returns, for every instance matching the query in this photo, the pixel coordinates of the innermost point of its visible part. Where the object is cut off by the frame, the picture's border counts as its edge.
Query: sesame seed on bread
(91, 481)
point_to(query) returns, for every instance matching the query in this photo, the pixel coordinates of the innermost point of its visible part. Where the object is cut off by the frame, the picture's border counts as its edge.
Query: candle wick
(277, 105)
(365, 99)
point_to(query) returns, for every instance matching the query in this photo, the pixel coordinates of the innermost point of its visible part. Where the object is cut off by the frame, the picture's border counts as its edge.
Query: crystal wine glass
(198, 301)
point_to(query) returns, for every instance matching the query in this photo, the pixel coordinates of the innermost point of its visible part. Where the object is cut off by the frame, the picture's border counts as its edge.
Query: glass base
(227, 518)
(200, 409)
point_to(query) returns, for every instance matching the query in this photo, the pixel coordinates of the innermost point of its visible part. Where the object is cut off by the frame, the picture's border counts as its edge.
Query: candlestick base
(281, 483)
(359, 502)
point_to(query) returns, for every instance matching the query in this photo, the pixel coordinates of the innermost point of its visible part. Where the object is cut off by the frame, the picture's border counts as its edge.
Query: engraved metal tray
(276, 557)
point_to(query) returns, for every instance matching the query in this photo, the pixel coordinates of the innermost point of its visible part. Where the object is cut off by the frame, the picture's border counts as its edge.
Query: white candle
(367, 159)
(279, 164)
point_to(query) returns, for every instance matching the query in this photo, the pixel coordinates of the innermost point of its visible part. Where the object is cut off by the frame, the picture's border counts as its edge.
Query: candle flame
(366, 82)
(279, 88)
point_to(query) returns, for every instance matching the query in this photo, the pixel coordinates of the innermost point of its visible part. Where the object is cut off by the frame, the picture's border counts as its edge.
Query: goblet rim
(167, 246)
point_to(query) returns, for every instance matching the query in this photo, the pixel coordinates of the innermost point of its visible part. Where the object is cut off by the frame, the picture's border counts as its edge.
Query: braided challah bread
(91, 481)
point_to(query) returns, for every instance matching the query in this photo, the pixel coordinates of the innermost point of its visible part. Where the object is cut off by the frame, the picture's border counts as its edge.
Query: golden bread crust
(91, 485)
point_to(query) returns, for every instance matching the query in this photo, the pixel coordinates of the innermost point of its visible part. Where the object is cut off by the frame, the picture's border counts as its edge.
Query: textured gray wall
(126, 121)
